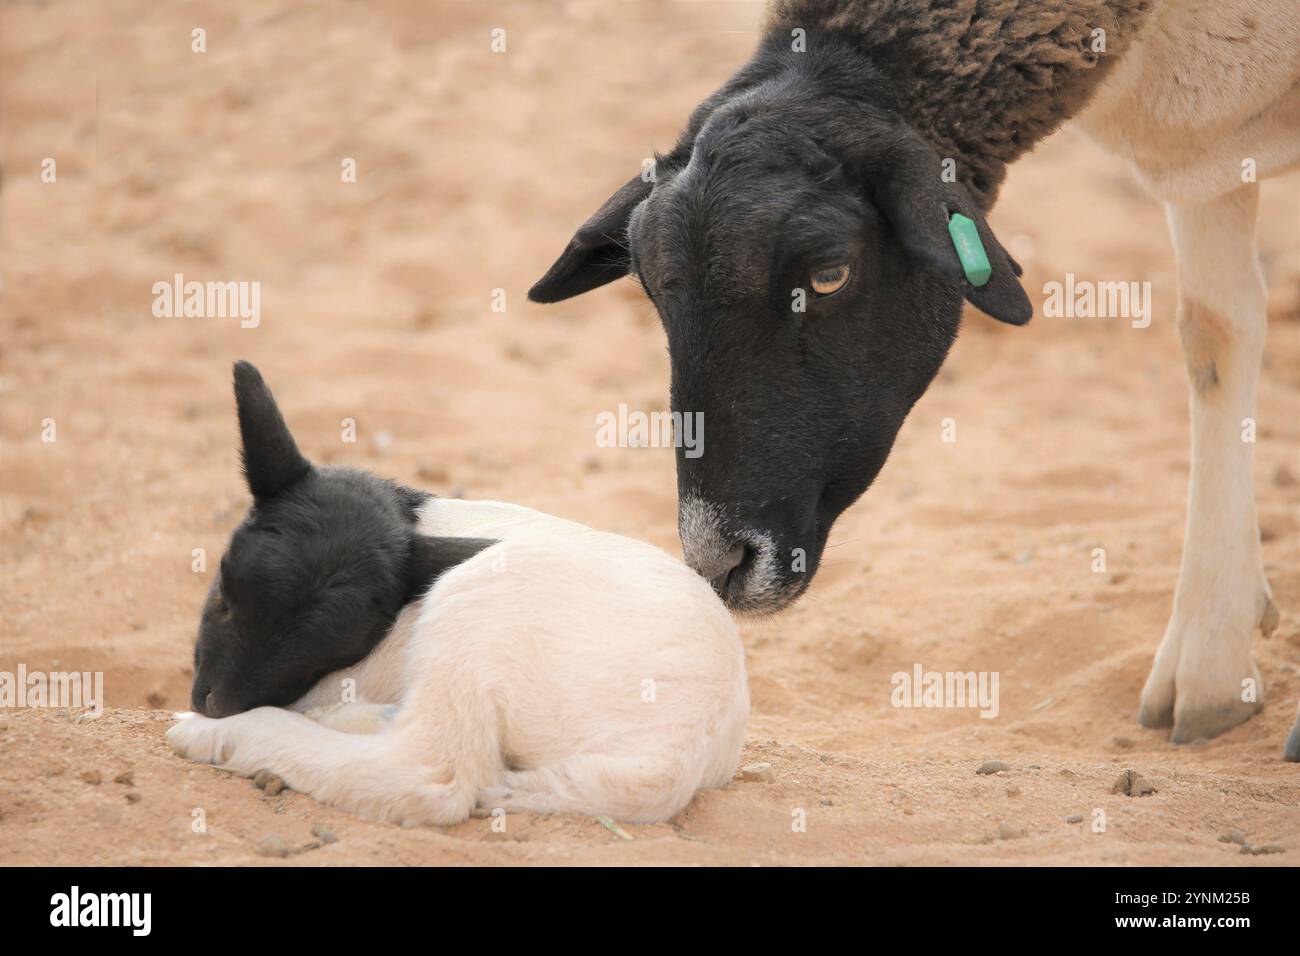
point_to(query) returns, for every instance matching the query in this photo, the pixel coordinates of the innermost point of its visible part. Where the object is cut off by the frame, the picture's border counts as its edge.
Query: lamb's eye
(829, 281)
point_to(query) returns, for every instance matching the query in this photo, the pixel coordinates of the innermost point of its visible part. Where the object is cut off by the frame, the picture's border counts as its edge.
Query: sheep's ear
(431, 556)
(907, 185)
(597, 253)
(272, 461)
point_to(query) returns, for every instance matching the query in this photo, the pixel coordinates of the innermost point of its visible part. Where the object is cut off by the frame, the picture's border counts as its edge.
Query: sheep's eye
(829, 281)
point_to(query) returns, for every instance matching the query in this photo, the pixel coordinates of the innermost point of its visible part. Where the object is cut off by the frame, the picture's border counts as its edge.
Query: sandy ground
(474, 168)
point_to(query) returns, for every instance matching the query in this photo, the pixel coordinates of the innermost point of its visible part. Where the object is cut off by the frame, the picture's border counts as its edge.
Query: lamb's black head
(795, 244)
(314, 576)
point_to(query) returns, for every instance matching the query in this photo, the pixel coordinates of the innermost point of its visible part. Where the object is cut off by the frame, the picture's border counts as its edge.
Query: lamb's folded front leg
(376, 776)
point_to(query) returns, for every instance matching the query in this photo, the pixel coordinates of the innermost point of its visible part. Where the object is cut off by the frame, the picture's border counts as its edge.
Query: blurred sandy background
(473, 170)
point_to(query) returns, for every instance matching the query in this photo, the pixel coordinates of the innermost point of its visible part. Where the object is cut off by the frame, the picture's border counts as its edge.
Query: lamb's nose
(201, 701)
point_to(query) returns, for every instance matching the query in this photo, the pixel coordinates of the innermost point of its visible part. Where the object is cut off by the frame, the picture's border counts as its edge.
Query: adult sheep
(820, 168)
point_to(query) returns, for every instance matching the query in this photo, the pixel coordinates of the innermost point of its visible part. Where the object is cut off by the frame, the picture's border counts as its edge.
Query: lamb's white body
(563, 669)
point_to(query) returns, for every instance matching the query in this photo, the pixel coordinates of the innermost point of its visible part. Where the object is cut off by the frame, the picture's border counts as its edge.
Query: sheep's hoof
(1292, 751)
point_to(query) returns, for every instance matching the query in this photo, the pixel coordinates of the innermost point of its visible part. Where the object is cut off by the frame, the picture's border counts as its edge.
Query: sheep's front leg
(380, 777)
(1292, 749)
(1204, 680)
(307, 755)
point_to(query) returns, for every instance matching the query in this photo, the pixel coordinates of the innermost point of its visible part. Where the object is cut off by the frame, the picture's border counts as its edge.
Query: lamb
(550, 667)
(798, 244)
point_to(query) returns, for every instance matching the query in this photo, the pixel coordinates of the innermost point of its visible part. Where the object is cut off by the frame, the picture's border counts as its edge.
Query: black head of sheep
(796, 246)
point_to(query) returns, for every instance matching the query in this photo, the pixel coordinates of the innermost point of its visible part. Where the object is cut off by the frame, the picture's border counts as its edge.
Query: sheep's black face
(315, 575)
(797, 330)
(312, 580)
(796, 247)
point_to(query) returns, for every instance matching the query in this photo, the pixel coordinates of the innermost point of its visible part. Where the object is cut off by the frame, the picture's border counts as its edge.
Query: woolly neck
(982, 80)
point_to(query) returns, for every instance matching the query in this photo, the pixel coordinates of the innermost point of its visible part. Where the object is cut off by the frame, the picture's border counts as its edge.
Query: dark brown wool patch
(982, 80)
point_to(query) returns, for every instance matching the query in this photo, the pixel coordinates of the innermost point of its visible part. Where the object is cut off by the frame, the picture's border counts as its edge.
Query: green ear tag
(966, 239)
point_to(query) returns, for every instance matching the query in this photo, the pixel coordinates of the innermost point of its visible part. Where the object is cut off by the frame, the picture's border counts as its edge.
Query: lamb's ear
(597, 253)
(272, 461)
(907, 186)
(411, 500)
(431, 556)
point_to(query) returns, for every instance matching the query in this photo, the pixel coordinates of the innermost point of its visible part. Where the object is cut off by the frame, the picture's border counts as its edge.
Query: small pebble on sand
(126, 777)
(1074, 818)
(323, 834)
(1010, 831)
(92, 777)
(757, 773)
(272, 845)
(269, 782)
(1233, 836)
(993, 766)
(435, 474)
(1252, 850)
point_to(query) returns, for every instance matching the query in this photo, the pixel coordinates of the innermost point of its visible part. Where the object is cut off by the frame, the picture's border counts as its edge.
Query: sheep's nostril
(725, 571)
